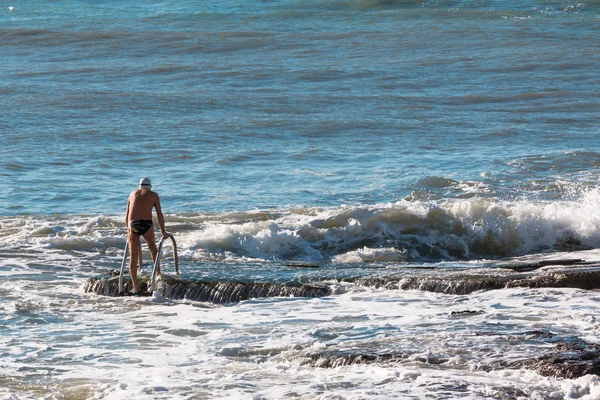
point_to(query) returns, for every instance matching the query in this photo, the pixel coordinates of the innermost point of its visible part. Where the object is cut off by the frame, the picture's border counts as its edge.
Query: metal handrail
(158, 260)
(125, 263)
(155, 264)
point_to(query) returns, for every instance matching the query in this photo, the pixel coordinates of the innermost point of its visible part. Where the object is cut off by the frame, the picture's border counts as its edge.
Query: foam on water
(460, 229)
(138, 348)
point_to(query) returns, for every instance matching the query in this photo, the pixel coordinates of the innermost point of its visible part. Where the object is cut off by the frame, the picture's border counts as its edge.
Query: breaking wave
(405, 231)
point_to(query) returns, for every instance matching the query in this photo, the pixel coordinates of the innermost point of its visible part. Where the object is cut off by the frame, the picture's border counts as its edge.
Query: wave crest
(405, 231)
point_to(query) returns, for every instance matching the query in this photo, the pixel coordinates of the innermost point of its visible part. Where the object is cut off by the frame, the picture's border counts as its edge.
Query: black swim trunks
(140, 226)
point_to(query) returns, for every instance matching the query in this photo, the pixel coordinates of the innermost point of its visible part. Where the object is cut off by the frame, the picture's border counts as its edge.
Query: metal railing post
(124, 263)
(123, 266)
(156, 263)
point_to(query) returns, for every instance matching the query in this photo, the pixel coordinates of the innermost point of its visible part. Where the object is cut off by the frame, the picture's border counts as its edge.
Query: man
(139, 223)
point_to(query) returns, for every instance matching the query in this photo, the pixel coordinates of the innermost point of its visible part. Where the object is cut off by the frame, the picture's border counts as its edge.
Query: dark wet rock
(461, 283)
(110, 286)
(214, 292)
(439, 280)
(231, 292)
(302, 265)
(580, 279)
(524, 267)
(334, 359)
(466, 313)
(571, 358)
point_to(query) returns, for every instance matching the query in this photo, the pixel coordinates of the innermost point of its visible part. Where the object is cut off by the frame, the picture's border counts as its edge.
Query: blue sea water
(363, 135)
(234, 106)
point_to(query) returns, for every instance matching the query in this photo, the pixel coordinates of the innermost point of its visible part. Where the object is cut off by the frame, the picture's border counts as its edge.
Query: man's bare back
(140, 204)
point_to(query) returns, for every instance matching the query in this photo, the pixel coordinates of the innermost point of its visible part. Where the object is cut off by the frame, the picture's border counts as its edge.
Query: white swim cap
(145, 183)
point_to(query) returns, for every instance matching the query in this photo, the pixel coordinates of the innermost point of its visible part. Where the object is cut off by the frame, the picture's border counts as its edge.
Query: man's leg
(151, 242)
(134, 252)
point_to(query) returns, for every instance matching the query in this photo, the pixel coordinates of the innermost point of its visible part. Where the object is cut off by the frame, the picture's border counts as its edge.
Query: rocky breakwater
(551, 274)
(219, 292)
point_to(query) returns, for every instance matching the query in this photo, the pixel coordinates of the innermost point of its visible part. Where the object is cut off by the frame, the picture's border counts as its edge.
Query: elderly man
(139, 222)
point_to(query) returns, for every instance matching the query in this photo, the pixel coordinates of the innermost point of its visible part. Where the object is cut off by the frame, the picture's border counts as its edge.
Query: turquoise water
(366, 137)
(231, 106)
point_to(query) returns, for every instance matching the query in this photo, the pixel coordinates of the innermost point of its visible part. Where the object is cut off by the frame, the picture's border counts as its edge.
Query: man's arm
(161, 218)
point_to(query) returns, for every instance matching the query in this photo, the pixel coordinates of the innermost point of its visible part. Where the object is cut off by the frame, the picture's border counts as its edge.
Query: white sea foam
(451, 229)
(439, 340)
(135, 348)
(420, 230)
(132, 348)
(367, 255)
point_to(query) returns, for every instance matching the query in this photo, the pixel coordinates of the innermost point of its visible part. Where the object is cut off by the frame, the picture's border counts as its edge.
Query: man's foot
(134, 293)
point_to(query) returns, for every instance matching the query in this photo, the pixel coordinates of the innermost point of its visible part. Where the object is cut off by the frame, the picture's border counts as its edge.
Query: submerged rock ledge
(452, 283)
(444, 281)
(213, 292)
(571, 358)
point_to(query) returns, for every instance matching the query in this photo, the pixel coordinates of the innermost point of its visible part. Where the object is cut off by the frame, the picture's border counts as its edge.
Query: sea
(327, 142)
